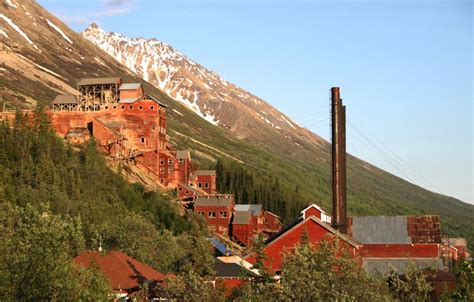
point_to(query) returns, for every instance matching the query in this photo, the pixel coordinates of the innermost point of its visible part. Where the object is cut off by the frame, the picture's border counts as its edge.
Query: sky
(405, 68)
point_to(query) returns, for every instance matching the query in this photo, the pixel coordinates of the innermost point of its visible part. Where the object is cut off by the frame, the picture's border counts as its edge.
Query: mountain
(41, 57)
(214, 99)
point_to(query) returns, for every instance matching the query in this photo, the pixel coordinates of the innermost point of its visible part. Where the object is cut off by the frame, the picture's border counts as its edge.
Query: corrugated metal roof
(183, 154)
(205, 173)
(242, 217)
(65, 99)
(218, 201)
(130, 86)
(255, 209)
(380, 229)
(98, 81)
(218, 245)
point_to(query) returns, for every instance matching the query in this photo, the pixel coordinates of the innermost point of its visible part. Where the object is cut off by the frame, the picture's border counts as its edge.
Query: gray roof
(380, 229)
(65, 99)
(130, 86)
(205, 172)
(98, 81)
(231, 270)
(255, 209)
(156, 100)
(214, 200)
(183, 154)
(385, 265)
(241, 217)
(129, 100)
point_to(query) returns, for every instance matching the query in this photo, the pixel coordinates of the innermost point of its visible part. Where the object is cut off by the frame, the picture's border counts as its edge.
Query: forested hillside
(85, 203)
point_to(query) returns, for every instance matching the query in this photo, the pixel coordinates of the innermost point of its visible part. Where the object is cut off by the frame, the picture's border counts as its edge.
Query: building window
(140, 107)
(131, 107)
(142, 140)
(206, 185)
(211, 214)
(106, 107)
(151, 108)
(201, 213)
(162, 180)
(180, 188)
(170, 161)
(115, 107)
(199, 184)
(162, 161)
(191, 184)
(223, 214)
(181, 161)
(123, 107)
(153, 128)
(170, 170)
(162, 170)
(139, 128)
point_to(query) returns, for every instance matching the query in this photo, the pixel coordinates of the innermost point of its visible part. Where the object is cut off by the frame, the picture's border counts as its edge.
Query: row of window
(170, 161)
(222, 214)
(140, 128)
(130, 107)
(170, 170)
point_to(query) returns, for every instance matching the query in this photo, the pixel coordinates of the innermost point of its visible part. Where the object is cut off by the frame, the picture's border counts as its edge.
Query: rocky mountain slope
(41, 57)
(214, 99)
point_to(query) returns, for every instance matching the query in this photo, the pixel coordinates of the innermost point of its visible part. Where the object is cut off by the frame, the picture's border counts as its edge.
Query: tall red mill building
(127, 123)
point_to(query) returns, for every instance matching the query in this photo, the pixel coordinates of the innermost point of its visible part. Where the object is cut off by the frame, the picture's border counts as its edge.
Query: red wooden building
(217, 210)
(286, 240)
(127, 123)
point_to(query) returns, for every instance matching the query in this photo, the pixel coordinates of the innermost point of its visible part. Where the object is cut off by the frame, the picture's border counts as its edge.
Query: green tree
(36, 251)
(190, 287)
(409, 284)
(464, 271)
(327, 273)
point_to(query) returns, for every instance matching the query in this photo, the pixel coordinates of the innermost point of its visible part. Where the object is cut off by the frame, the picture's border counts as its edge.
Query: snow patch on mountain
(10, 3)
(50, 71)
(18, 30)
(59, 31)
(3, 33)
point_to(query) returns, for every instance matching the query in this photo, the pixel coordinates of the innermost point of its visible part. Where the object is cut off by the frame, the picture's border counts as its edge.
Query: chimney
(338, 117)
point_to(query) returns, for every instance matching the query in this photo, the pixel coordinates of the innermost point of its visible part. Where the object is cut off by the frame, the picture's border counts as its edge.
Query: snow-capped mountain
(203, 91)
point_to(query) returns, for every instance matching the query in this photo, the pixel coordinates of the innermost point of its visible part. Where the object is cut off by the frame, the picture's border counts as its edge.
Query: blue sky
(405, 68)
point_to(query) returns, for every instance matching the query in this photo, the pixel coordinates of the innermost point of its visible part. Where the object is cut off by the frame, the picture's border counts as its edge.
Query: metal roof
(156, 100)
(205, 173)
(242, 217)
(183, 154)
(255, 209)
(130, 86)
(214, 200)
(231, 270)
(98, 81)
(218, 245)
(129, 100)
(65, 99)
(380, 229)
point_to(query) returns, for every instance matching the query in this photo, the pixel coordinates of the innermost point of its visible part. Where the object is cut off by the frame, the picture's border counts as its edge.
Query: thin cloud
(105, 9)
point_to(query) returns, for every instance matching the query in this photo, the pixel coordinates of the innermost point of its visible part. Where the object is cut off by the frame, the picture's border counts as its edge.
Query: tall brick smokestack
(338, 117)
